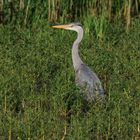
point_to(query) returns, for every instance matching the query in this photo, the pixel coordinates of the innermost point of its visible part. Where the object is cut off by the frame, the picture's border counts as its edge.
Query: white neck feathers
(75, 55)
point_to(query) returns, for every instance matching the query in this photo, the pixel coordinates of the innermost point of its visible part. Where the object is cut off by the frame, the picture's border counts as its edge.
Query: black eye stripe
(75, 24)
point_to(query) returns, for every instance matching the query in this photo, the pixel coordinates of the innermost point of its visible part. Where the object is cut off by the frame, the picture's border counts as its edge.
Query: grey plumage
(89, 82)
(86, 79)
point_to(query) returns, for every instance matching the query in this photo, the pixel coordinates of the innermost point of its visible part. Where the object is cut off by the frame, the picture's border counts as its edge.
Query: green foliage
(27, 12)
(38, 96)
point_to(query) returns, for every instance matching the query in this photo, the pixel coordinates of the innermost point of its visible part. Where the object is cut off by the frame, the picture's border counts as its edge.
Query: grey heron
(87, 80)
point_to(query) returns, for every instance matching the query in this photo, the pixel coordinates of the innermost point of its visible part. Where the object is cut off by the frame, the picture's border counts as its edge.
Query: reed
(61, 10)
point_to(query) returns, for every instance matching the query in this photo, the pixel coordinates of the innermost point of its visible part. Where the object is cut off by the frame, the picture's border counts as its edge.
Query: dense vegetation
(38, 96)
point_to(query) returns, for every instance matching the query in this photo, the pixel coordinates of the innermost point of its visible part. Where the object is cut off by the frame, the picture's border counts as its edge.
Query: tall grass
(38, 96)
(27, 11)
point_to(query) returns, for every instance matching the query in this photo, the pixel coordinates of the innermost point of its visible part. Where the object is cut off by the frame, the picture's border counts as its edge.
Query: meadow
(38, 96)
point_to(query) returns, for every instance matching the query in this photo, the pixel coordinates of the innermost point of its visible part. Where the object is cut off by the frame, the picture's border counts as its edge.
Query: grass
(38, 96)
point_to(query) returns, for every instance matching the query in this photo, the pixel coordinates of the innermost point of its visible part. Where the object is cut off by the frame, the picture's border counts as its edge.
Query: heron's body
(89, 82)
(84, 77)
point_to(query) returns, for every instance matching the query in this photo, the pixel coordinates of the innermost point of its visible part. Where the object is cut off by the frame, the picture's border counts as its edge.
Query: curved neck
(75, 55)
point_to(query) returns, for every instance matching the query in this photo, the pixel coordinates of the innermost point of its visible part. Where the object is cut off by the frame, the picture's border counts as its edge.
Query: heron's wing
(86, 78)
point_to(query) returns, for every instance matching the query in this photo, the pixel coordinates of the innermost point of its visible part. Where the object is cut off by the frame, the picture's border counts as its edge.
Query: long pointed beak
(60, 26)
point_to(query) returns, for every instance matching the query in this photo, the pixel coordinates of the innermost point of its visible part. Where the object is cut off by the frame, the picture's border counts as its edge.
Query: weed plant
(39, 99)
(38, 96)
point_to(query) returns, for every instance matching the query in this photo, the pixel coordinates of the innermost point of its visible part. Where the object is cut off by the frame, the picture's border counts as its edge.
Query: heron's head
(72, 26)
